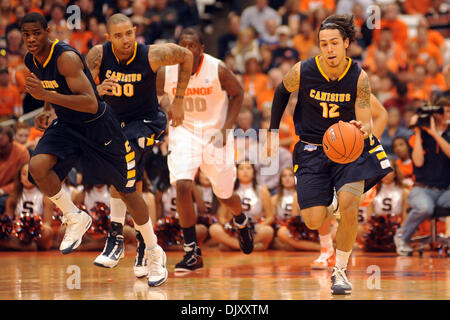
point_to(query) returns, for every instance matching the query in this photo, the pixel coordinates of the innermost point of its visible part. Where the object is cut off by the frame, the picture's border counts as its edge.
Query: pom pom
(6, 226)
(100, 219)
(168, 231)
(299, 231)
(28, 227)
(379, 232)
(206, 219)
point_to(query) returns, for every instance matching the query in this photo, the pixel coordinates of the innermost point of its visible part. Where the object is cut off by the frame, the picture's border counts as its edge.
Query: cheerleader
(26, 199)
(404, 162)
(285, 205)
(385, 213)
(256, 204)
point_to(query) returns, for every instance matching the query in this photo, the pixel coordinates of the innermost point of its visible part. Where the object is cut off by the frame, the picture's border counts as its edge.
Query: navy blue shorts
(144, 133)
(317, 175)
(99, 146)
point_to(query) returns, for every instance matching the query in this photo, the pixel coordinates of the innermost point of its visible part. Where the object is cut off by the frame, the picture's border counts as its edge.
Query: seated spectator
(393, 130)
(284, 51)
(16, 75)
(27, 199)
(417, 6)
(58, 25)
(22, 135)
(305, 40)
(388, 88)
(163, 20)
(12, 157)
(418, 87)
(79, 38)
(228, 40)
(434, 79)
(266, 58)
(413, 57)
(390, 20)
(255, 82)
(285, 206)
(431, 161)
(270, 37)
(400, 100)
(402, 151)
(99, 36)
(307, 6)
(438, 17)
(10, 102)
(256, 204)
(246, 45)
(256, 15)
(426, 48)
(433, 36)
(14, 48)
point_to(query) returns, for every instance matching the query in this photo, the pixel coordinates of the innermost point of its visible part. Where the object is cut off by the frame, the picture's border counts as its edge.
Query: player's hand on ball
(359, 125)
(34, 87)
(107, 87)
(176, 113)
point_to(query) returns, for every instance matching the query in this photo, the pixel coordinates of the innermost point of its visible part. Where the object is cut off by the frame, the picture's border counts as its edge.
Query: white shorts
(188, 153)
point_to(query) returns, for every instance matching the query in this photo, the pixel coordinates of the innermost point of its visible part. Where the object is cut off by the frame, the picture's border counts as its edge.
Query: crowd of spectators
(406, 55)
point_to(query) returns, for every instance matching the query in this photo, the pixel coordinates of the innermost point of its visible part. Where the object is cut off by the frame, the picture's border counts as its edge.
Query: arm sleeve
(280, 101)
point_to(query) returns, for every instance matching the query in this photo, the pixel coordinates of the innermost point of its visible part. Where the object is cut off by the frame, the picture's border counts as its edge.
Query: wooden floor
(274, 275)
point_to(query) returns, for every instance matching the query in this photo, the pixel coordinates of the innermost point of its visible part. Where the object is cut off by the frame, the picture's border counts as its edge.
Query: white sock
(118, 210)
(326, 242)
(63, 201)
(148, 234)
(342, 258)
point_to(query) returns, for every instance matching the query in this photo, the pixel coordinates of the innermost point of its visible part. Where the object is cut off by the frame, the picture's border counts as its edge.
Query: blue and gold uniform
(134, 101)
(323, 102)
(93, 140)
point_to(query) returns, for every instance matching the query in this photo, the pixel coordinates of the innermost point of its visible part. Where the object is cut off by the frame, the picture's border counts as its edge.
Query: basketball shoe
(192, 259)
(245, 236)
(77, 223)
(339, 282)
(140, 262)
(326, 259)
(114, 248)
(157, 271)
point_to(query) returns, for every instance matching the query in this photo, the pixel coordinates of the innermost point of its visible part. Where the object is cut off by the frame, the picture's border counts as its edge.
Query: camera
(425, 114)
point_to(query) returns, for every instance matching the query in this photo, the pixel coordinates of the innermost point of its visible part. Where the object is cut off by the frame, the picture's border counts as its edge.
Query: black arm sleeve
(280, 101)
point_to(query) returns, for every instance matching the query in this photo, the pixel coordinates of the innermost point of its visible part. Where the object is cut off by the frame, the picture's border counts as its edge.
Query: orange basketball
(343, 142)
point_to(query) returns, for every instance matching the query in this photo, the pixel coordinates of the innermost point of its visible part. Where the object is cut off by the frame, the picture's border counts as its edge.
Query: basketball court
(271, 275)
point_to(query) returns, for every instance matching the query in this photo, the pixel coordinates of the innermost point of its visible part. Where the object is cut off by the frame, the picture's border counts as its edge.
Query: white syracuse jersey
(251, 201)
(388, 200)
(284, 207)
(205, 102)
(32, 201)
(97, 195)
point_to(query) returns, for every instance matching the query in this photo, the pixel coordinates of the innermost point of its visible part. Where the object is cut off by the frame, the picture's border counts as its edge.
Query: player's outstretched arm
(362, 105)
(379, 116)
(233, 87)
(169, 54)
(83, 98)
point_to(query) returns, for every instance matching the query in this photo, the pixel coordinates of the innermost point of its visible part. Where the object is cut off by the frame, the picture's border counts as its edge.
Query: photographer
(431, 163)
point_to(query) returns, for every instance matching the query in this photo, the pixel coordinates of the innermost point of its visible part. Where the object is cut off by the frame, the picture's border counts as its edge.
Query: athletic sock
(146, 230)
(190, 235)
(63, 201)
(342, 258)
(118, 210)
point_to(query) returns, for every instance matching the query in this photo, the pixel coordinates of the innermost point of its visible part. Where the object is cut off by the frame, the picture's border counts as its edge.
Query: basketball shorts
(317, 175)
(188, 153)
(142, 135)
(98, 146)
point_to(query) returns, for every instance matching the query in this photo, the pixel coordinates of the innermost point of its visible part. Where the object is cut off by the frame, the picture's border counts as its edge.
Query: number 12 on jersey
(329, 110)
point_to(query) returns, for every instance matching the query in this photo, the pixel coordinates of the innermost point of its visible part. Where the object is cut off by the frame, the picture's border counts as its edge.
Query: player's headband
(332, 25)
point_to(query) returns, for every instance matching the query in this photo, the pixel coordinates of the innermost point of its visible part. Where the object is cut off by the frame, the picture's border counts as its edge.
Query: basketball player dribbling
(85, 130)
(327, 255)
(331, 88)
(127, 72)
(207, 109)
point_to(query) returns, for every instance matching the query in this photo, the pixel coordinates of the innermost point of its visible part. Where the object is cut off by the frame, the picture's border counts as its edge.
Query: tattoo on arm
(291, 80)
(166, 54)
(363, 92)
(94, 59)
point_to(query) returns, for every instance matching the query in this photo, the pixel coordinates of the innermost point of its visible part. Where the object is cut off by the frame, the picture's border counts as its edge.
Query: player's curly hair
(344, 23)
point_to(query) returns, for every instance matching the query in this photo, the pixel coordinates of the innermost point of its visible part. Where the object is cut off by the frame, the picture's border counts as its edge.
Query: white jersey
(32, 201)
(251, 201)
(388, 200)
(208, 198)
(205, 102)
(169, 202)
(97, 195)
(284, 207)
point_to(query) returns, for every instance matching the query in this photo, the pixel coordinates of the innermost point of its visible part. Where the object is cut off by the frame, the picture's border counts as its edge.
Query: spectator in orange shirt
(426, 48)
(417, 86)
(14, 49)
(57, 24)
(413, 56)
(433, 36)
(16, 77)
(10, 103)
(434, 79)
(311, 5)
(416, 6)
(275, 78)
(12, 156)
(390, 20)
(80, 37)
(305, 40)
(255, 82)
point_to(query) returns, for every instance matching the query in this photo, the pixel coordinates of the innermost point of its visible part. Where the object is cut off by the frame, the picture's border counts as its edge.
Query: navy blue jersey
(322, 101)
(136, 99)
(52, 80)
